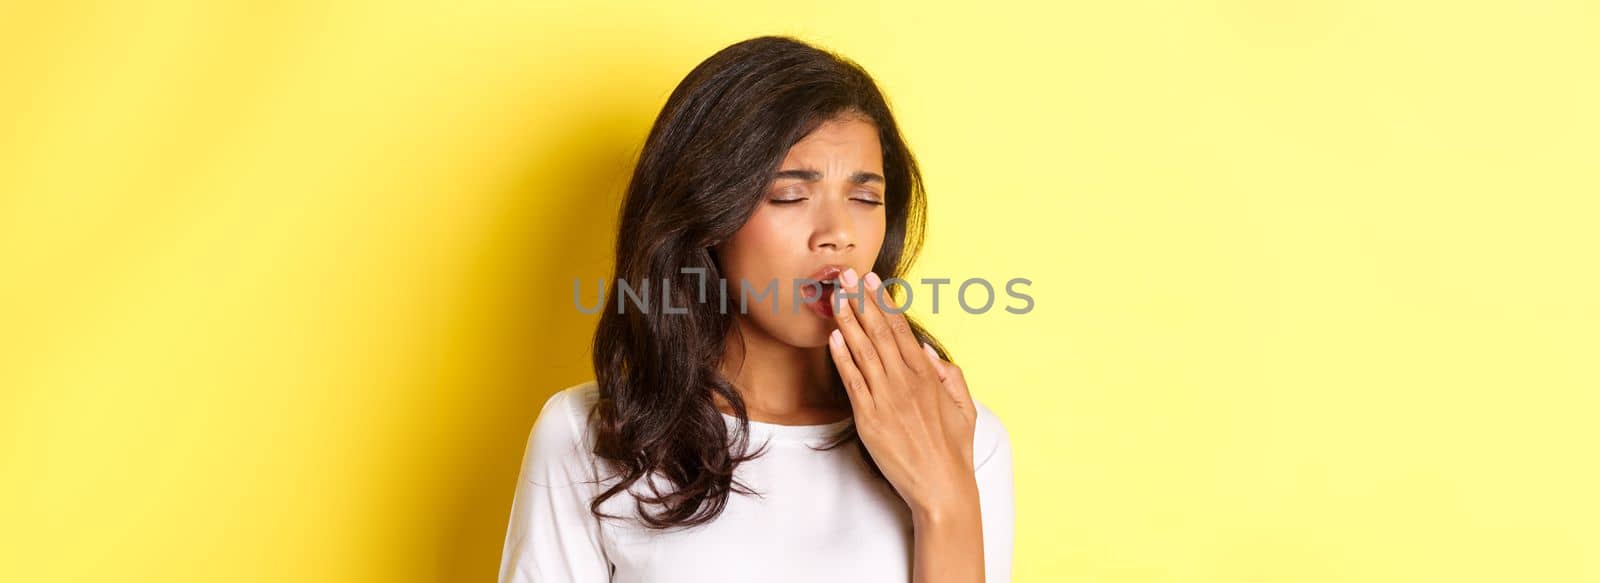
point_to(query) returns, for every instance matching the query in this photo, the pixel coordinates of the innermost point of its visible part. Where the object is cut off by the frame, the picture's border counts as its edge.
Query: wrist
(950, 517)
(958, 504)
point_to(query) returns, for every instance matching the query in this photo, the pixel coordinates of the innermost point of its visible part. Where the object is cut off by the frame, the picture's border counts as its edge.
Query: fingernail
(836, 339)
(872, 280)
(931, 352)
(849, 277)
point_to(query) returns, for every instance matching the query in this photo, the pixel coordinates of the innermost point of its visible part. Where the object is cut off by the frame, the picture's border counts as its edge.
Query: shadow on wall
(560, 224)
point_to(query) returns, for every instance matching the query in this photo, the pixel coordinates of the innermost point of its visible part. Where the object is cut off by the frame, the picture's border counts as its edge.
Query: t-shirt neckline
(760, 430)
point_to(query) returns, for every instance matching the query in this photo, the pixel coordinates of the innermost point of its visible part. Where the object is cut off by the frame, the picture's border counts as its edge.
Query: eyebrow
(809, 175)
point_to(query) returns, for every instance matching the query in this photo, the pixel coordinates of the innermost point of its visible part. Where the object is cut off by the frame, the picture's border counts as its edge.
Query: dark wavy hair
(709, 157)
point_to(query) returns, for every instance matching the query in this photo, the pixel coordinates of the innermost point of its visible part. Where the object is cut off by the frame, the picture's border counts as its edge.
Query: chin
(816, 341)
(810, 334)
(816, 334)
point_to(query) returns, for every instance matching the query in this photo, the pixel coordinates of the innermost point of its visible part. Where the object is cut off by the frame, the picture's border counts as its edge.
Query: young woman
(709, 446)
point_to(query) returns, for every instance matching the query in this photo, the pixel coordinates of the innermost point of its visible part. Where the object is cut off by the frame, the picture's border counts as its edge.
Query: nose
(833, 230)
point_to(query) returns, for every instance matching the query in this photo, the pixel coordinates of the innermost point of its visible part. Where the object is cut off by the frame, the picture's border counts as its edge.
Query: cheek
(872, 236)
(748, 254)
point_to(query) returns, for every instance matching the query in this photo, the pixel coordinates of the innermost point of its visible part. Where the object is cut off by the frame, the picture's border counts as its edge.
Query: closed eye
(871, 201)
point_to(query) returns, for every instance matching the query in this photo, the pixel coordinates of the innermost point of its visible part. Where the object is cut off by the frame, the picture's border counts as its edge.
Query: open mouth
(819, 297)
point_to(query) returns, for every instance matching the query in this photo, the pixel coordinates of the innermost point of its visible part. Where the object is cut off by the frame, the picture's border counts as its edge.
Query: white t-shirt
(823, 516)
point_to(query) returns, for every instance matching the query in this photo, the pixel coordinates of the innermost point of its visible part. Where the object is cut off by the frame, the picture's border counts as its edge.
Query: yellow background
(285, 283)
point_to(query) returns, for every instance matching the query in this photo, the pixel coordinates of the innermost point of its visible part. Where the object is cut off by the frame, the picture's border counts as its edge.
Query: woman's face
(825, 208)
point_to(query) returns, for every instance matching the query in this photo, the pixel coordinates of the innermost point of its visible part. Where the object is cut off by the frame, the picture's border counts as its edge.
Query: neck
(776, 380)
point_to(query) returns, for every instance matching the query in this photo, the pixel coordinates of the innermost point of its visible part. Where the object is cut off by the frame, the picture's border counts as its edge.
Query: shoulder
(565, 415)
(989, 435)
(562, 438)
(573, 402)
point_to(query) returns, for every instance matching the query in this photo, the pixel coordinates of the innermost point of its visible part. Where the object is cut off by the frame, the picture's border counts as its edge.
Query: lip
(823, 307)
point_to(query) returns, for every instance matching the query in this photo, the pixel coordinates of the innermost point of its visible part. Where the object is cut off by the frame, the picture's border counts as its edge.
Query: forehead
(846, 143)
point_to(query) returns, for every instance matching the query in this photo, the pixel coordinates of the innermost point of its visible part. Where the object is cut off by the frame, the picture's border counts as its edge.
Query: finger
(854, 384)
(957, 385)
(950, 377)
(877, 329)
(862, 351)
(933, 359)
(900, 327)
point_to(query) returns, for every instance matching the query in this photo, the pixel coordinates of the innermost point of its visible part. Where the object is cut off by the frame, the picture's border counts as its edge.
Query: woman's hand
(912, 409)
